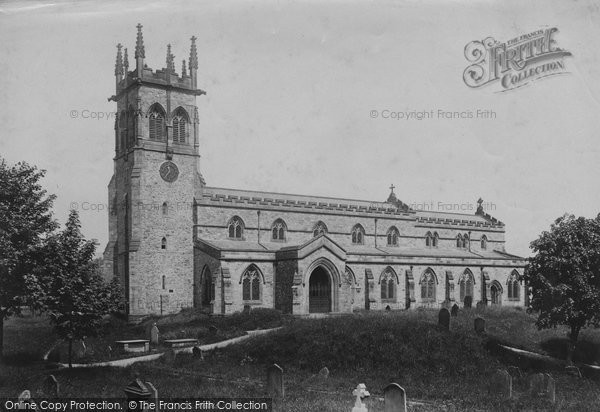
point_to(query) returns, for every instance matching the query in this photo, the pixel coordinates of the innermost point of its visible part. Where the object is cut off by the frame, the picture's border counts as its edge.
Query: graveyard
(441, 361)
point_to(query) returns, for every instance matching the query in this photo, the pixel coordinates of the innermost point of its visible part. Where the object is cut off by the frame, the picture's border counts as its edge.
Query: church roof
(272, 200)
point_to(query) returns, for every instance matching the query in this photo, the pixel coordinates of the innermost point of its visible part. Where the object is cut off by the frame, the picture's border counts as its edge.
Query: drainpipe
(258, 232)
(375, 232)
(469, 240)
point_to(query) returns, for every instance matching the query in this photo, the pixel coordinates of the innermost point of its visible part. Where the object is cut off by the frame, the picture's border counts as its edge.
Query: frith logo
(514, 63)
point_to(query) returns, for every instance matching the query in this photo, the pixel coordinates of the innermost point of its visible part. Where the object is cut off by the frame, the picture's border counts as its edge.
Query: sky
(300, 97)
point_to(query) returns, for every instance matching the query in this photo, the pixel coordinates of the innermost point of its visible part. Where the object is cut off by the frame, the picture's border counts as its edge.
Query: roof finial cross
(392, 187)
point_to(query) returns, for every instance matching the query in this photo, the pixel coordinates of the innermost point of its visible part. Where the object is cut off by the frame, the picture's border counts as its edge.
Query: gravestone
(387, 308)
(479, 324)
(444, 318)
(79, 348)
(360, 393)
(275, 386)
(197, 352)
(247, 309)
(109, 349)
(500, 384)
(50, 387)
(154, 335)
(54, 355)
(515, 372)
(573, 370)
(480, 305)
(169, 356)
(394, 398)
(213, 329)
(324, 373)
(24, 400)
(154, 393)
(542, 385)
(468, 302)
(454, 310)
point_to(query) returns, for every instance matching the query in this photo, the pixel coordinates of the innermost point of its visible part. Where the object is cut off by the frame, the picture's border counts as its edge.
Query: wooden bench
(178, 343)
(134, 345)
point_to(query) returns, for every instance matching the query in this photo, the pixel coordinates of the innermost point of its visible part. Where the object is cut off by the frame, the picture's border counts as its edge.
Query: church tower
(156, 179)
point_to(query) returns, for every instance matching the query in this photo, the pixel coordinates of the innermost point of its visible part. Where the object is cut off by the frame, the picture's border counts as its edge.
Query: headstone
(154, 394)
(468, 302)
(24, 400)
(213, 329)
(388, 308)
(360, 393)
(197, 352)
(454, 310)
(247, 309)
(169, 356)
(500, 384)
(480, 305)
(275, 386)
(479, 325)
(79, 348)
(444, 318)
(542, 385)
(573, 370)
(515, 372)
(109, 349)
(394, 398)
(54, 355)
(154, 335)
(324, 373)
(50, 387)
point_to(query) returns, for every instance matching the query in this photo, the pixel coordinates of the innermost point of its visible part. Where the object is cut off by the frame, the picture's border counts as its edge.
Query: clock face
(169, 172)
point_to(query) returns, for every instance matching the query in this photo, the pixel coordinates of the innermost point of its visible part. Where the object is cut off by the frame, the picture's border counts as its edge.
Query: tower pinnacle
(183, 69)
(126, 62)
(170, 60)
(119, 61)
(193, 61)
(139, 43)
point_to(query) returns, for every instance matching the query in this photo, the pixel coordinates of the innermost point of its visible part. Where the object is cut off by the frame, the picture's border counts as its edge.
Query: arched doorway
(319, 291)
(203, 289)
(495, 294)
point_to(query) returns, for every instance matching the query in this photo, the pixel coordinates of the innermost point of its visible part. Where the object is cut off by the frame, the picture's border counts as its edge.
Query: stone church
(175, 242)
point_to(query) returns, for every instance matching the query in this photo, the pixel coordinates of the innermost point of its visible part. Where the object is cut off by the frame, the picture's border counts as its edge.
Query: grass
(445, 370)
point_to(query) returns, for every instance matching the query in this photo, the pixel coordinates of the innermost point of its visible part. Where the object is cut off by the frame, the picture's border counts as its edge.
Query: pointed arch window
(235, 228)
(278, 230)
(156, 123)
(165, 209)
(251, 284)
(484, 242)
(514, 288)
(428, 239)
(428, 282)
(163, 243)
(180, 126)
(459, 241)
(358, 235)
(465, 284)
(392, 236)
(320, 229)
(465, 241)
(388, 285)
(435, 239)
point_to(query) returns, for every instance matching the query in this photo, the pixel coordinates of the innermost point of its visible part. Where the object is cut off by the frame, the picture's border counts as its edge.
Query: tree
(564, 276)
(25, 220)
(76, 297)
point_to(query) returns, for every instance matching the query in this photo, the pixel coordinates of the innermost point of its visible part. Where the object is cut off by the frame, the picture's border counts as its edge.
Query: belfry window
(163, 243)
(484, 242)
(236, 228)
(435, 239)
(180, 126)
(156, 124)
(428, 239)
(358, 235)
